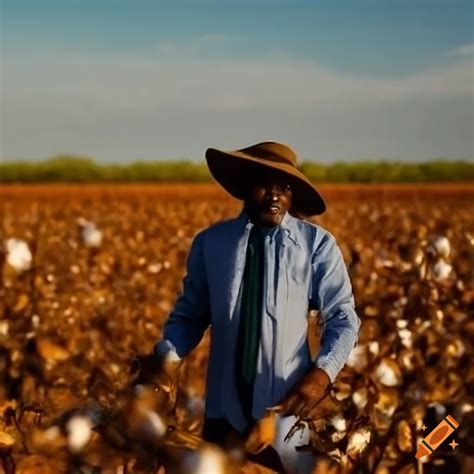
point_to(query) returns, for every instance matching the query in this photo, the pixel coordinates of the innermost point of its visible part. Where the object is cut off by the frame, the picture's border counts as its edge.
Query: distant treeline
(83, 170)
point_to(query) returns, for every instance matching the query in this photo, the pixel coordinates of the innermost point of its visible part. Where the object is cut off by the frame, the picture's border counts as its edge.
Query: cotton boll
(441, 270)
(358, 441)
(402, 323)
(79, 430)
(154, 267)
(358, 358)
(388, 373)
(374, 348)
(406, 337)
(207, 460)
(339, 422)
(360, 398)
(90, 234)
(440, 245)
(340, 425)
(18, 255)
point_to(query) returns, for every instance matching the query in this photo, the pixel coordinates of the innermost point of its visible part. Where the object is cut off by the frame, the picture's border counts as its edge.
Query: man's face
(270, 196)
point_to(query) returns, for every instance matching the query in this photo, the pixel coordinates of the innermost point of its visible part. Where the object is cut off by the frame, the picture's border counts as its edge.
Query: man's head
(232, 170)
(269, 196)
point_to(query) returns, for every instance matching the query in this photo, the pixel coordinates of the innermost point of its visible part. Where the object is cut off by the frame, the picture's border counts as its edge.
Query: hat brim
(233, 170)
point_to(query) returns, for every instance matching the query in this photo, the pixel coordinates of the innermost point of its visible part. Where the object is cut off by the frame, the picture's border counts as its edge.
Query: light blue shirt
(304, 270)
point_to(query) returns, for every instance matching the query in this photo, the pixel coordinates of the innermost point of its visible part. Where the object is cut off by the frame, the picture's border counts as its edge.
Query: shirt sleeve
(331, 294)
(190, 316)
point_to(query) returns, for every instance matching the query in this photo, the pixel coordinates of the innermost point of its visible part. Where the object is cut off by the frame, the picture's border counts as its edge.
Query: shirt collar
(286, 224)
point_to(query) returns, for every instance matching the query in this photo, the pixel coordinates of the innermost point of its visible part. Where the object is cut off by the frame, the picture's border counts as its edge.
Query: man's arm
(190, 317)
(331, 294)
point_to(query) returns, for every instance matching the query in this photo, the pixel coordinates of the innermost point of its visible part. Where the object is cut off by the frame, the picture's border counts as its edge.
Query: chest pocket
(298, 266)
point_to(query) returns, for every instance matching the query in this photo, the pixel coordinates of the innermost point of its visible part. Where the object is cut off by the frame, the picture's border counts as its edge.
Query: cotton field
(89, 274)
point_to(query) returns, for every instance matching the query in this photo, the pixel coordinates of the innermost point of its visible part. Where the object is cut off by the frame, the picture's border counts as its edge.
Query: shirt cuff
(164, 348)
(328, 367)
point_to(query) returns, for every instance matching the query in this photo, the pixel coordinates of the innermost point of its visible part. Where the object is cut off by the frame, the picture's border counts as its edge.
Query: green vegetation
(82, 170)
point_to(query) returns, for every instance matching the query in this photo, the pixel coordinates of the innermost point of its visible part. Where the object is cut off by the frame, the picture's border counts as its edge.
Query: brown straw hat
(233, 170)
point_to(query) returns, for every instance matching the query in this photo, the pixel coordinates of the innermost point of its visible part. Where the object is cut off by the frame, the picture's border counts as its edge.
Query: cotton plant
(91, 235)
(18, 255)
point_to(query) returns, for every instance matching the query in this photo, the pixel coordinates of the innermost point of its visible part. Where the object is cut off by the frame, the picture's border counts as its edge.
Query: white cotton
(358, 441)
(359, 397)
(207, 460)
(441, 245)
(441, 270)
(18, 255)
(339, 422)
(154, 268)
(402, 323)
(358, 358)
(387, 375)
(406, 337)
(91, 236)
(79, 429)
(374, 348)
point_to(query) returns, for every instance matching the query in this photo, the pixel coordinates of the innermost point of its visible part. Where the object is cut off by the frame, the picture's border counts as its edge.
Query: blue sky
(124, 80)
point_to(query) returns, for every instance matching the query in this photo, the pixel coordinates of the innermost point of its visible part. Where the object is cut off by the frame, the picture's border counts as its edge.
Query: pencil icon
(437, 436)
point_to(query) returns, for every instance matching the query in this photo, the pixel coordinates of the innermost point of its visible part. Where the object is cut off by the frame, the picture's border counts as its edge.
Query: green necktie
(250, 320)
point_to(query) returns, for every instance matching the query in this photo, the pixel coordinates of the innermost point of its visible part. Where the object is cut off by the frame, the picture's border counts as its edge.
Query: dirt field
(71, 324)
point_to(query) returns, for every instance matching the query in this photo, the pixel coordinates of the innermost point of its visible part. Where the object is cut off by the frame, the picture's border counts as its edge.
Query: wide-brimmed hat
(234, 170)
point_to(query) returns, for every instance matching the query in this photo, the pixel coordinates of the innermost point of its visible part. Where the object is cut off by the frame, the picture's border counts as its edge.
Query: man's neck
(260, 224)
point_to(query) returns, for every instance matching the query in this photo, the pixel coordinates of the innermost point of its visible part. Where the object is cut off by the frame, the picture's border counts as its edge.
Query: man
(253, 279)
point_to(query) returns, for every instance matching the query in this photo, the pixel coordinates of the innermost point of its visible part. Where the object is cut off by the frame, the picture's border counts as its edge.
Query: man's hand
(306, 394)
(159, 371)
(262, 434)
(156, 369)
